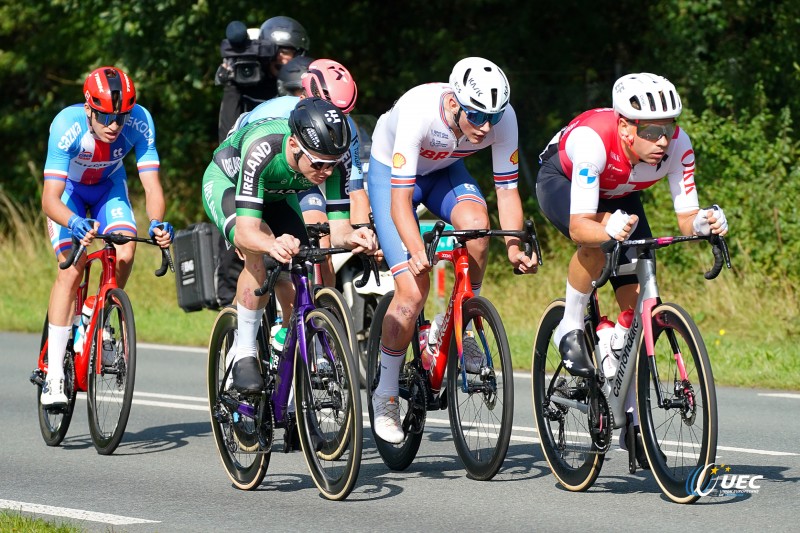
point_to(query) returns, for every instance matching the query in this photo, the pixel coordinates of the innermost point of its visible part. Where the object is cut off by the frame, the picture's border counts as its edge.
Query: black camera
(242, 57)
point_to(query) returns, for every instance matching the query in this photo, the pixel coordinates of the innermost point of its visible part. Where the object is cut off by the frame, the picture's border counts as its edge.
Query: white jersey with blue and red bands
(73, 153)
(413, 138)
(591, 154)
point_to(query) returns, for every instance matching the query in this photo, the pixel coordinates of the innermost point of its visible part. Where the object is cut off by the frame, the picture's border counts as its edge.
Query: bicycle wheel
(563, 429)
(242, 448)
(680, 436)
(481, 403)
(328, 400)
(110, 389)
(54, 422)
(331, 299)
(395, 456)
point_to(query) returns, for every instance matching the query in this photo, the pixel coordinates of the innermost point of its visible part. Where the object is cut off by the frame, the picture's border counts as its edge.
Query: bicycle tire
(110, 389)
(334, 301)
(396, 456)
(328, 402)
(481, 431)
(236, 440)
(575, 464)
(672, 435)
(54, 423)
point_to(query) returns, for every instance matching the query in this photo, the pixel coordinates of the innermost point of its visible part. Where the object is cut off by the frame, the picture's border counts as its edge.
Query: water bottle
(83, 323)
(605, 333)
(620, 330)
(278, 335)
(432, 345)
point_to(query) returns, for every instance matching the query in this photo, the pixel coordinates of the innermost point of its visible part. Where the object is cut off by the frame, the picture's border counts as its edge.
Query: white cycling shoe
(386, 413)
(53, 392)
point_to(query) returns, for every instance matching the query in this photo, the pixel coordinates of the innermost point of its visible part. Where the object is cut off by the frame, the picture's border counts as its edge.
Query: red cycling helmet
(330, 81)
(109, 90)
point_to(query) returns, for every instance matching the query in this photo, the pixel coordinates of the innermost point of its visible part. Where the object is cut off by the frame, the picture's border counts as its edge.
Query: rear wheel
(243, 449)
(680, 436)
(480, 397)
(411, 398)
(54, 421)
(328, 401)
(560, 409)
(112, 370)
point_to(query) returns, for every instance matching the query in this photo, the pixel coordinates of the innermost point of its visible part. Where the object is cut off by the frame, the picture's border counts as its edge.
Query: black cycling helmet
(284, 31)
(290, 74)
(320, 126)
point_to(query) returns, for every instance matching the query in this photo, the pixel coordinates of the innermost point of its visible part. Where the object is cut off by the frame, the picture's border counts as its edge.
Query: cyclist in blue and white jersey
(84, 173)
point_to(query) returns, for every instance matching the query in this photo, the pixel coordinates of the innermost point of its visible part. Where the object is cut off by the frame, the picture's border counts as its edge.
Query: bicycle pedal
(37, 377)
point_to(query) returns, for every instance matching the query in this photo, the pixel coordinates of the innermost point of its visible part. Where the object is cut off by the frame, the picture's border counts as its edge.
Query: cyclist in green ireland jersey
(250, 193)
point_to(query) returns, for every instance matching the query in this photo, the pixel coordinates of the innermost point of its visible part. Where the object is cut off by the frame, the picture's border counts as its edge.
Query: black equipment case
(197, 252)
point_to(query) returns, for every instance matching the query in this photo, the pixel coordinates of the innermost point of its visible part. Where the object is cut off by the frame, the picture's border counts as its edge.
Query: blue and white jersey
(74, 154)
(280, 107)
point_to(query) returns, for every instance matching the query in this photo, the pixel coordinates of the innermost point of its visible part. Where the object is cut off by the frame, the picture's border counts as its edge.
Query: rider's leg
(473, 215)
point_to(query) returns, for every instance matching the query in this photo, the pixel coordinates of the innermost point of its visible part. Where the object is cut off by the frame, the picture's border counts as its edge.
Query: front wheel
(480, 390)
(54, 422)
(328, 400)
(243, 447)
(112, 369)
(560, 409)
(680, 435)
(411, 398)
(334, 301)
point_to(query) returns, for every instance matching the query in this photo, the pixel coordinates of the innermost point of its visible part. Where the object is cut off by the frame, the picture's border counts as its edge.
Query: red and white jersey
(591, 154)
(413, 138)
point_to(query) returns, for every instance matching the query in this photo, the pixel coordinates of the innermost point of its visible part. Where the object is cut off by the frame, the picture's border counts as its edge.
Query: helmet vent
(651, 101)
(466, 76)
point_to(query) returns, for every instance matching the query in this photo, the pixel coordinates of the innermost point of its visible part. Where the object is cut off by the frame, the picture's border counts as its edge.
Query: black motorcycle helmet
(284, 31)
(320, 126)
(290, 74)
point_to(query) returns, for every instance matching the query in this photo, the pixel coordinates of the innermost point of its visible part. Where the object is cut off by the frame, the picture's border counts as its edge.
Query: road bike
(317, 364)
(480, 402)
(676, 397)
(105, 367)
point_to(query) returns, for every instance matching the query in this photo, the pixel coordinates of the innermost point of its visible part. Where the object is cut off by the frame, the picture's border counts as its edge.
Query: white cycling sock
(391, 361)
(249, 322)
(574, 311)
(57, 337)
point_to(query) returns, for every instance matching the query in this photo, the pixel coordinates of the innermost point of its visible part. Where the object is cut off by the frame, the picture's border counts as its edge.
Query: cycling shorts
(312, 200)
(107, 202)
(440, 191)
(219, 201)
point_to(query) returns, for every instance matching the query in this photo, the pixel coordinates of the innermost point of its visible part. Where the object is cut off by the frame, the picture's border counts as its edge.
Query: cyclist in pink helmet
(329, 80)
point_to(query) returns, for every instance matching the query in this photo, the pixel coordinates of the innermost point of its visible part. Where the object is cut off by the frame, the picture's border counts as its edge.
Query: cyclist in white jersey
(417, 156)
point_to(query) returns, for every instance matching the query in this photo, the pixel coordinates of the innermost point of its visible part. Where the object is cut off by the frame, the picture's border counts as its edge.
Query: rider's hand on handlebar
(161, 232)
(521, 262)
(620, 225)
(83, 229)
(362, 240)
(284, 248)
(710, 220)
(418, 263)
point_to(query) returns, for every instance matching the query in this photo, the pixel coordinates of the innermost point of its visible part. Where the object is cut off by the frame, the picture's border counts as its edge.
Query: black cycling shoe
(247, 377)
(575, 354)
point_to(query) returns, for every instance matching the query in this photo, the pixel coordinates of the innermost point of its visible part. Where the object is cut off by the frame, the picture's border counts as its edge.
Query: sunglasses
(317, 163)
(653, 132)
(479, 118)
(107, 118)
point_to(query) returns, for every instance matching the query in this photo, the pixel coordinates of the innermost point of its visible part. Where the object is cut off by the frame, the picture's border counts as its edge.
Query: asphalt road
(166, 475)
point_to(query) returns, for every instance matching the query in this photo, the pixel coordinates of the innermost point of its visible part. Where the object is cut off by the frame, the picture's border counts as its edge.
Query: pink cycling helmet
(330, 81)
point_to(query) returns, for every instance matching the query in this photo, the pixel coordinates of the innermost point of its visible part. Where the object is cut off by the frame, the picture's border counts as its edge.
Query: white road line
(171, 348)
(781, 395)
(75, 514)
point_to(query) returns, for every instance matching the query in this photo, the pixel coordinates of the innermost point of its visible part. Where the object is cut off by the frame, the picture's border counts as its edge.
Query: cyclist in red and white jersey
(589, 188)
(84, 173)
(418, 151)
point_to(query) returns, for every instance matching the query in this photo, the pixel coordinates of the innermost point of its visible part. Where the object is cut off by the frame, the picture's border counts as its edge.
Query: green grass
(750, 326)
(18, 523)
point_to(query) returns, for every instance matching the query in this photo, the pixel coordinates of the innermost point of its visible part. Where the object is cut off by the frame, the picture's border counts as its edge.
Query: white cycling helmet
(480, 84)
(645, 96)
